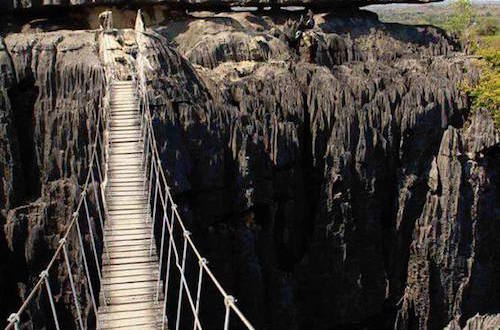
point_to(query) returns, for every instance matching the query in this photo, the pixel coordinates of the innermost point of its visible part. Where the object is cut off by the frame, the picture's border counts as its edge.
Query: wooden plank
(131, 201)
(113, 231)
(125, 150)
(124, 208)
(119, 213)
(116, 238)
(124, 139)
(135, 313)
(117, 139)
(127, 226)
(126, 204)
(131, 307)
(119, 162)
(138, 323)
(140, 327)
(130, 254)
(126, 248)
(126, 116)
(126, 223)
(113, 179)
(133, 129)
(118, 153)
(150, 291)
(115, 268)
(112, 244)
(124, 212)
(130, 192)
(121, 148)
(120, 223)
(132, 132)
(129, 161)
(134, 158)
(130, 261)
(129, 132)
(132, 123)
(131, 285)
(127, 269)
(127, 186)
(130, 276)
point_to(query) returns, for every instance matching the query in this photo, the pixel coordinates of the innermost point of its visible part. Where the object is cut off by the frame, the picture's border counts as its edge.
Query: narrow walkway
(129, 277)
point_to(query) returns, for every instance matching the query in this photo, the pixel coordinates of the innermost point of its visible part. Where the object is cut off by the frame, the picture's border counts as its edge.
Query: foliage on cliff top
(486, 94)
(485, 16)
(478, 25)
(462, 17)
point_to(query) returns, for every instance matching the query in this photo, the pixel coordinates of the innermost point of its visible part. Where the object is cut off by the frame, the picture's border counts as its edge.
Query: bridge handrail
(150, 140)
(14, 319)
(195, 250)
(165, 197)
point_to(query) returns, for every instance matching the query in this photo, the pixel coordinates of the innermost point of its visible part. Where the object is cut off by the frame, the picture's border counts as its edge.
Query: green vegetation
(461, 17)
(442, 15)
(478, 27)
(486, 94)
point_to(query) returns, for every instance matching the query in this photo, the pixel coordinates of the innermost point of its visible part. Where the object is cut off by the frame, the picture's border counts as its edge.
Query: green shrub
(486, 94)
(461, 17)
(487, 27)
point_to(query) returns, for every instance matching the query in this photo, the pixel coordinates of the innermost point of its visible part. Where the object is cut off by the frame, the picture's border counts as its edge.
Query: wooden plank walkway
(129, 277)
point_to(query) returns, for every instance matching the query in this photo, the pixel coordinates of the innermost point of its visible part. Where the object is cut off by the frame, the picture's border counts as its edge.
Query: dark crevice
(23, 98)
(312, 182)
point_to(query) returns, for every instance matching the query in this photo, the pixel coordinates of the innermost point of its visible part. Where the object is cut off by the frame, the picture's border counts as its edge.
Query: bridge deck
(129, 277)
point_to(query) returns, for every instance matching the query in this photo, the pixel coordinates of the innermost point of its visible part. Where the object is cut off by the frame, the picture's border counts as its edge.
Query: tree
(461, 18)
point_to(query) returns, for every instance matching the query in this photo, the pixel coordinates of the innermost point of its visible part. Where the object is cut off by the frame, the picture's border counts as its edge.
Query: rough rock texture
(477, 322)
(50, 89)
(453, 267)
(334, 177)
(334, 180)
(30, 4)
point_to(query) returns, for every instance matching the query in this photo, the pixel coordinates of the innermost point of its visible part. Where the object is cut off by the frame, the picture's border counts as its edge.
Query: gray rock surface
(336, 179)
(51, 88)
(477, 322)
(33, 4)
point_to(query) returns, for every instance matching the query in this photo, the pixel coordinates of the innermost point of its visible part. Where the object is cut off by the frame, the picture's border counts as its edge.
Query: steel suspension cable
(14, 319)
(229, 301)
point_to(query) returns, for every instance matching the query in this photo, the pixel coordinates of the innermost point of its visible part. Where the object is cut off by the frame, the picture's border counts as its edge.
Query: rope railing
(14, 320)
(161, 207)
(159, 190)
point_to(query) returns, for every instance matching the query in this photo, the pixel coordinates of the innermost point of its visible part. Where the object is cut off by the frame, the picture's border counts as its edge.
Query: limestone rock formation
(30, 4)
(478, 322)
(336, 179)
(51, 88)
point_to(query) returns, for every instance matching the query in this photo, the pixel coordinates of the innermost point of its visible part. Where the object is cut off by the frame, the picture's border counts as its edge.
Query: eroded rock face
(313, 167)
(488, 321)
(51, 88)
(333, 176)
(30, 4)
(452, 250)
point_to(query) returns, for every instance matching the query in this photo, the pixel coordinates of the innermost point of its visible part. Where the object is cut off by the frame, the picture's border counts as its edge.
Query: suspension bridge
(127, 187)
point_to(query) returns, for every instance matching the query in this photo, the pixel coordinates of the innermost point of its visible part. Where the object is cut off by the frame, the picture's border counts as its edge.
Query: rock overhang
(9, 5)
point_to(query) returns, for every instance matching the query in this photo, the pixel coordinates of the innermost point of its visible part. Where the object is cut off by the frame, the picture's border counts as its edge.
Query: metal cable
(229, 300)
(14, 319)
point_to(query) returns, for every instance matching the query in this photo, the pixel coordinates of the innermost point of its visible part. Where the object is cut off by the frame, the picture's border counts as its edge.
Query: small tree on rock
(461, 18)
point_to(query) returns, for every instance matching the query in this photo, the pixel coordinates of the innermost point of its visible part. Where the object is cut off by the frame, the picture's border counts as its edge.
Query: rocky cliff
(51, 88)
(37, 4)
(330, 168)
